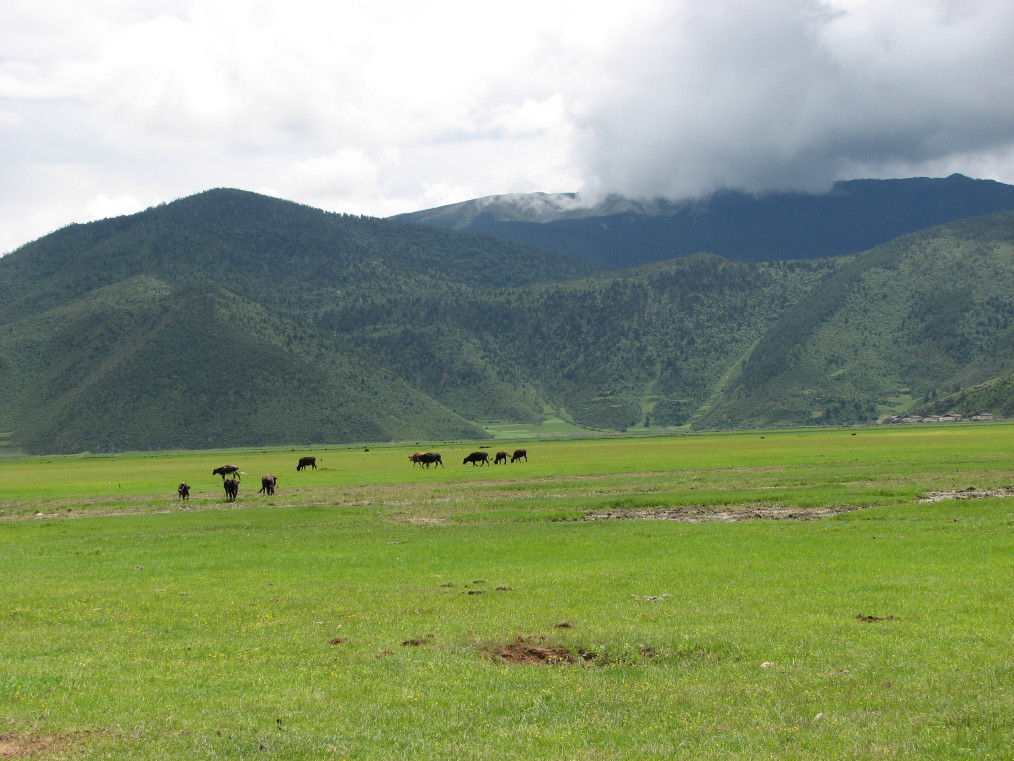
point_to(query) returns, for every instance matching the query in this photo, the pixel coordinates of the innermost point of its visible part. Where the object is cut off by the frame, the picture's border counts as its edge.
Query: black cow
(518, 454)
(268, 483)
(184, 490)
(476, 457)
(501, 457)
(428, 458)
(307, 462)
(227, 470)
(231, 488)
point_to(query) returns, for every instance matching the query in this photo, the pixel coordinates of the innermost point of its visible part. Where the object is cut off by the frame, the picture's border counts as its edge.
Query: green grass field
(375, 610)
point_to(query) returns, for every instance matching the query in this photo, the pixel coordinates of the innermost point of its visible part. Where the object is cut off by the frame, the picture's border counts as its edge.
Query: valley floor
(621, 598)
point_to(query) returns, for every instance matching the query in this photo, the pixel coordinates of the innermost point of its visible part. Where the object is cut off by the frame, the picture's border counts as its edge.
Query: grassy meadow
(375, 610)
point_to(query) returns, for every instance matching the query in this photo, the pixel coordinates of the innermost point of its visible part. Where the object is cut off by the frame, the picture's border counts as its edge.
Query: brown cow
(227, 470)
(501, 457)
(518, 454)
(231, 488)
(268, 482)
(184, 490)
(477, 457)
(416, 458)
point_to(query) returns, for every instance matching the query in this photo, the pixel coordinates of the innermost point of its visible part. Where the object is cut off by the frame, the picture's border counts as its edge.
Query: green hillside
(276, 252)
(137, 366)
(230, 319)
(995, 396)
(925, 312)
(195, 324)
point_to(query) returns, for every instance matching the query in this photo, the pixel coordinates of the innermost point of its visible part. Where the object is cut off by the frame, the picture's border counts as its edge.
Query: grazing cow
(518, 454)
(268, 482)
(231, 488)
(307, 462)
(501, 457)
(430, 458)
(184, 490)
(426, 459)
(476, 457)
(227, 470)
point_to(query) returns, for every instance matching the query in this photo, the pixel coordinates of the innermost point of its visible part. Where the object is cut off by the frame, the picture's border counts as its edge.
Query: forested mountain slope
(276, 252)
(610, 350)
(138, 365)
(229, 318)
(192, 324)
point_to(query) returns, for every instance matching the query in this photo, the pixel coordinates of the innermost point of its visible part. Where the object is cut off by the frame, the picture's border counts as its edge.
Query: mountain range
(230, 318)
(620, 232)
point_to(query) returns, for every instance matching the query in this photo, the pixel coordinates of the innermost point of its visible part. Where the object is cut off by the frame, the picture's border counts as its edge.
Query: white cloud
(382, 106)
(102, 206)
(344, 172)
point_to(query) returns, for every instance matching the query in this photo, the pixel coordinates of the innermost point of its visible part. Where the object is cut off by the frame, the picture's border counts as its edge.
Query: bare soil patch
(17, 745)
(421, 520)
(723, 513)
(874, 619)
(534, 651)
(968, 493)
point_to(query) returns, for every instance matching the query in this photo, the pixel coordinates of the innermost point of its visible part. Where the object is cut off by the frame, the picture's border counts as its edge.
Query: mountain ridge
(617, 232)
(230, 318)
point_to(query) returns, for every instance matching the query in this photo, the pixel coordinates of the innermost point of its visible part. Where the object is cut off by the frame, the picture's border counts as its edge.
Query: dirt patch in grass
(968, 493)
(17, 745)
(534, 651)
(723, 513)
(873, 619)
(421, 520)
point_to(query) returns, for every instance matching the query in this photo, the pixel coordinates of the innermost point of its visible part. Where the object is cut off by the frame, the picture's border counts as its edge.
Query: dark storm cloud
(791, 94)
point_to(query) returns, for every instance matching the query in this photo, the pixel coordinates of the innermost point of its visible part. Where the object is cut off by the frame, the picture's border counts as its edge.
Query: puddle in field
(970, 493)
(704, 514)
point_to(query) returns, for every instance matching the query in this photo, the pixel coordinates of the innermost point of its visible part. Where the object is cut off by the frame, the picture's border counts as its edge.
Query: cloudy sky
(383, 106)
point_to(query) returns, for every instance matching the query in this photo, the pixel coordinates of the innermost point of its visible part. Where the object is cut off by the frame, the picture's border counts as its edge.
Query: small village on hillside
(952, 417)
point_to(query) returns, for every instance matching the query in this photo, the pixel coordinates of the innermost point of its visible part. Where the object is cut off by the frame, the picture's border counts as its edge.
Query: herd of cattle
(231, 474)
(476, 458)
